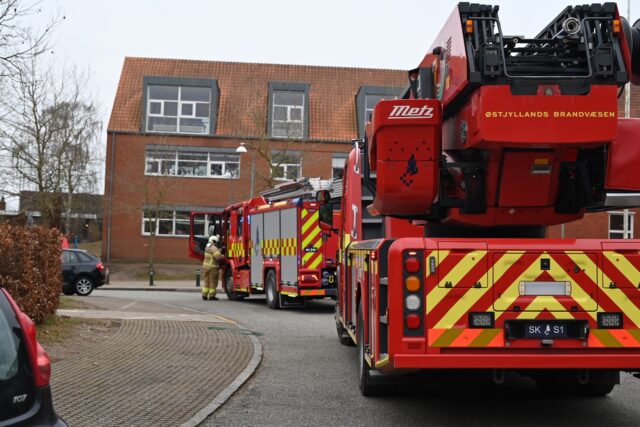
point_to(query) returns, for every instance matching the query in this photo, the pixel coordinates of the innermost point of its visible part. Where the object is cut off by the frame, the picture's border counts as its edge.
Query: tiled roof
(244, 92)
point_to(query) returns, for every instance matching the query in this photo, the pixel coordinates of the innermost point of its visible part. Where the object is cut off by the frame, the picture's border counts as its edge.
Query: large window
(288, 114)
(621, 224)
(165, 223)
(286, 165)
(288, 110)
(178, 109)
(186, 163)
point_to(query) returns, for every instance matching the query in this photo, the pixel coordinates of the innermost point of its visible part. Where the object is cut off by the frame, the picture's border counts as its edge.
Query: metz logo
(408, 112)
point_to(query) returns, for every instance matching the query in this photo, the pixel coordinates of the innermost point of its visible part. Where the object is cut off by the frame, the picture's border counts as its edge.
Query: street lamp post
(241, 150)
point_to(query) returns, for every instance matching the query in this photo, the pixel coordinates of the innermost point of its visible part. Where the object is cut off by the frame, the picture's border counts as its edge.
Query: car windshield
(9, 347)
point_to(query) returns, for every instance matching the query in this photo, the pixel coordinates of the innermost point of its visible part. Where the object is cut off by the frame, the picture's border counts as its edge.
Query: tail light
(100, 267)
(40, 362)
(413, 292)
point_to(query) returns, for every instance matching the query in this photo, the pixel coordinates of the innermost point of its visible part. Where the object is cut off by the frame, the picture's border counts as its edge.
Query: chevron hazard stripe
(311, 237)
(460, 337)
(599, 282)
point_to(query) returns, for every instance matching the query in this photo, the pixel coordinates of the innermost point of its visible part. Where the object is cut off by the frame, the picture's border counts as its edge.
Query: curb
(229, 390)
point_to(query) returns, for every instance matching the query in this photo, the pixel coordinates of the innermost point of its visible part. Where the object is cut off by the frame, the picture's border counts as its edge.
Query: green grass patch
(71, 303)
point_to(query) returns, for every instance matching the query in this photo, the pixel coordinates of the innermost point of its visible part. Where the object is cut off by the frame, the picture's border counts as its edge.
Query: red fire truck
(277, 248)
(495, 138)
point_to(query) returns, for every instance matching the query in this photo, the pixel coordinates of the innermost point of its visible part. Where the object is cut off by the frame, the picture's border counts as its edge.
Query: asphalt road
(308, 378)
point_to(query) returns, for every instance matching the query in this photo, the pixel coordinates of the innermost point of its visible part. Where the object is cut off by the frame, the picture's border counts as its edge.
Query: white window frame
(289, 108)
(179, 115)
(628, 219)
(174, 220)
(211, 158)
(337, 163)
(286, 166)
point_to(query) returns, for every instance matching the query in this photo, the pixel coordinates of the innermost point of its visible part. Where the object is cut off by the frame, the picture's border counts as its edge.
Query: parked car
(25, 369)
(81, 272)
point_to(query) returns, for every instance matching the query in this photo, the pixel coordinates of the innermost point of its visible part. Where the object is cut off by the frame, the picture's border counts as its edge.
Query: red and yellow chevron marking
(311, 236)
(312, 292)
(236, 249)
(459, 337)
(289, 246)
(624, 338)
(447, 307)
(271, 247)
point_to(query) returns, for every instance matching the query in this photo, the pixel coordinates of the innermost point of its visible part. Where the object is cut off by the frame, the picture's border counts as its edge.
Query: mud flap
(289, 302)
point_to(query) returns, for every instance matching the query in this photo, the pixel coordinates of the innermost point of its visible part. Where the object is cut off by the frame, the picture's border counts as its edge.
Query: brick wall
(130, 191)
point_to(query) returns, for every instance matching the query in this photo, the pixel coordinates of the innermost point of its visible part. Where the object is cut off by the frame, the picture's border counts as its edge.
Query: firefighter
(210, 268)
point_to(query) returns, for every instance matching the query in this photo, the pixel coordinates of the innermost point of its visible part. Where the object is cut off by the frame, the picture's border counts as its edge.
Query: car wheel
(83, 286)
(273, 296)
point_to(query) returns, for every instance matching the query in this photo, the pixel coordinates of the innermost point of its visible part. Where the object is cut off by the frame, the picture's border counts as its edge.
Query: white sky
(98, 34)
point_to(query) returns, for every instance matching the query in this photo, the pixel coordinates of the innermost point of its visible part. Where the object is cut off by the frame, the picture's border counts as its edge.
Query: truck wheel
(367, 388)
(228, 289)
(343, 335)
(273, 296)
(595, 390)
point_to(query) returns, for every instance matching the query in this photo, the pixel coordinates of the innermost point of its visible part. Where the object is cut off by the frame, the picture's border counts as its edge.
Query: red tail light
(413, 321)
(40, 363)
(100, 267)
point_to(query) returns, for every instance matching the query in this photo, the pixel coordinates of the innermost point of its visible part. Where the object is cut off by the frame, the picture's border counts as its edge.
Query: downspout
(110, 209)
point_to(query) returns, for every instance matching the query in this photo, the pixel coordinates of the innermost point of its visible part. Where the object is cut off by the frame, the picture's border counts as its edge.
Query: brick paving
(150, 373)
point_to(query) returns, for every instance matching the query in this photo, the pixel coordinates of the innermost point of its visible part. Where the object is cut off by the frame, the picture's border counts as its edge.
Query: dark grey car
(81, 272)
(25, 369)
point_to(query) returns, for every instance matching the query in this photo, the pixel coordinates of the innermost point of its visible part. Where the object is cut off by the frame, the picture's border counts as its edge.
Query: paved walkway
(160, 369)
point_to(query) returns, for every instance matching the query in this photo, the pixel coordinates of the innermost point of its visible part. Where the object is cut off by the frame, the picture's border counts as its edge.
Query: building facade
(176, 126)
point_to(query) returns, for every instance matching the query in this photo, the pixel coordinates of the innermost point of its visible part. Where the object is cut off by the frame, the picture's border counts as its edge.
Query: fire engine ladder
(302, 188)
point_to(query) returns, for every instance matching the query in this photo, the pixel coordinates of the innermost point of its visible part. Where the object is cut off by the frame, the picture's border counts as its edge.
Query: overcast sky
(98, 34)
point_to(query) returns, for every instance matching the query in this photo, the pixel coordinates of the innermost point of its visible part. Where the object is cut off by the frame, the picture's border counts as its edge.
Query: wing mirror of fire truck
(325, 210)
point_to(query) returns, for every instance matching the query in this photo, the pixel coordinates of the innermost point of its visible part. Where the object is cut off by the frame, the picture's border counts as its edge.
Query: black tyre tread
(271, 281)
(231, 295)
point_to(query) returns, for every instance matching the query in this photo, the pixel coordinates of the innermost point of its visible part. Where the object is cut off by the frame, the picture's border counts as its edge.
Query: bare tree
(20, 42)
(48, 129)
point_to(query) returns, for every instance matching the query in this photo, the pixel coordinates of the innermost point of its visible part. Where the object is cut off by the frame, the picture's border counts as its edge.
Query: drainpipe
(110, 210)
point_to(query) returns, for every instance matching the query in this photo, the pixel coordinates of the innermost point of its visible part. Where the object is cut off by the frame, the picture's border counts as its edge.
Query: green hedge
(30, 268)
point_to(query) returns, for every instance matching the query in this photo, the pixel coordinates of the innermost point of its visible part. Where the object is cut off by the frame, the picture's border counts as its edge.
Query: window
(178, 109)
(288, 110)
(337, 166)
(10, 337)
(180, 105)
(207, 225)
(167, 223)
(286, 165)
(621, 224)
(186, 163)
(367, 98)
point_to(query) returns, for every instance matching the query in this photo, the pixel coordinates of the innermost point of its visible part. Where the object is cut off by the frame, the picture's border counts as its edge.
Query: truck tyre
(364, 375)
(273, 296)
(228, 288)
(595, 390)
(343, 335)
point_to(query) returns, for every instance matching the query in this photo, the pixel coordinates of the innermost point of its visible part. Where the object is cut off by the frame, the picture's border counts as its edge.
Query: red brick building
(176, 124)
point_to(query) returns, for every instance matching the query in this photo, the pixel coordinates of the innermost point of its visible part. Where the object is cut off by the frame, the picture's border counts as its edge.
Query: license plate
(545, 330)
